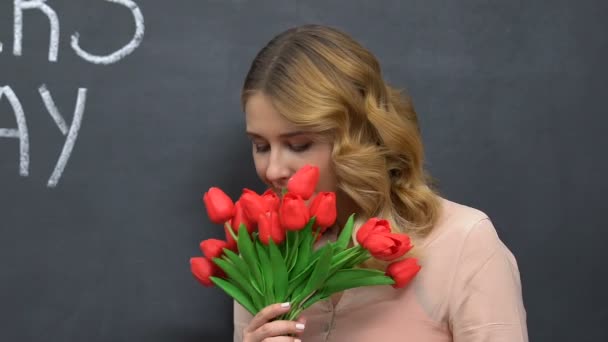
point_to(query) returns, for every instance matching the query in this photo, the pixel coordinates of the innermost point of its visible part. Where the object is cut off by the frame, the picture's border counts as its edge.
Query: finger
(265, 315)
(277, 329)
(282, 339)
(301, 320)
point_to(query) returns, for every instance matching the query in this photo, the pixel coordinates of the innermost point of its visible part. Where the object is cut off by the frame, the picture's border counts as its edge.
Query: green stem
(230, 230)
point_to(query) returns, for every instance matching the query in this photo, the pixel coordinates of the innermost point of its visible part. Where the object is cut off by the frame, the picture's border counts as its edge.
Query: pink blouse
(467, 290)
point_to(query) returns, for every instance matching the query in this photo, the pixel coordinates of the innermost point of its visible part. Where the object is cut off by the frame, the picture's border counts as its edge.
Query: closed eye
(261, 148)
(300, 147)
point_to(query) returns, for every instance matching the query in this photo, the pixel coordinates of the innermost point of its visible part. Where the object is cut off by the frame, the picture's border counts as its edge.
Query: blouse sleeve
(241, 319)
(486, 303)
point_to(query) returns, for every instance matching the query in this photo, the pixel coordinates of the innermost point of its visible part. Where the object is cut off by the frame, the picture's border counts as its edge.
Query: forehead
(263, 118)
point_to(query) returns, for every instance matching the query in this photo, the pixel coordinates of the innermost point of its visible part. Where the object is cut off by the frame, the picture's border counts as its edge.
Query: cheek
(327, 177)
(327, 180)
(260, 166)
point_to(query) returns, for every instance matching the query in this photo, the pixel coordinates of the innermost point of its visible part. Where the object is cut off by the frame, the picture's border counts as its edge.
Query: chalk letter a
(19, 133)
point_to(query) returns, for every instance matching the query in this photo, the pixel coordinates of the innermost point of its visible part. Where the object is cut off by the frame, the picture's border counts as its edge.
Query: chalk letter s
(125, 50)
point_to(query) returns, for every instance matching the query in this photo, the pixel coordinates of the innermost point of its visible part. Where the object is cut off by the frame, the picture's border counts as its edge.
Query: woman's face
(280, 148)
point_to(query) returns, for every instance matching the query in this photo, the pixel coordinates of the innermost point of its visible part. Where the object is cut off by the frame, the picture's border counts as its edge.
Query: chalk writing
(21, 5)
(72, 134)
(125, 50)
(20, 132)
(71, 131)
(41, 5)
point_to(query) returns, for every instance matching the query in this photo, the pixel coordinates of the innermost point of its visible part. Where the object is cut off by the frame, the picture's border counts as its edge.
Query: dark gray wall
(511, 97)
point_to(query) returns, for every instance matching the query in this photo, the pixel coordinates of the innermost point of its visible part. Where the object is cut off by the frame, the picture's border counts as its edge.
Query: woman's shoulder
(463, 240)
(459, 225)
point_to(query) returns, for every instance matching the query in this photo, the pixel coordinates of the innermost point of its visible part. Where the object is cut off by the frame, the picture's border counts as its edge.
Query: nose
(277, 172)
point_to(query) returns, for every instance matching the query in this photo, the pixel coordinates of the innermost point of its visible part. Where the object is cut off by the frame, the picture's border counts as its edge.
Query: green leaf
(304, 274)
(318, 251)
(236, 261)
(238, 279)
(316, 279)
(267, 273)
(304, 248)
(319, 274)
(245, 246)
(242, 267)
(234, 274)
(291, 251)
(315, 298)
(351, 278)
(236, 294)
(298, 294)
(300, 280)
(358, 259)
(346, 234)
(342, 258)
(279, 271)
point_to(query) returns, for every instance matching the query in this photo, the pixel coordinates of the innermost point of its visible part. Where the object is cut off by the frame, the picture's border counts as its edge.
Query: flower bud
(294, 214)
(253, 205)
(270, 227)
(387, 246)
(213, 248)
(240, 217)
(219, 206)
(373, 225)
(323, 207)
(304, 181)
(403, 271)
(203, 269)
(271, 199)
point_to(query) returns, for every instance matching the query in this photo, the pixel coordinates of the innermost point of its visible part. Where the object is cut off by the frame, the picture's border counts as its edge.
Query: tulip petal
(403, 271)
(304, 181)
(202, 269)
(220, 207)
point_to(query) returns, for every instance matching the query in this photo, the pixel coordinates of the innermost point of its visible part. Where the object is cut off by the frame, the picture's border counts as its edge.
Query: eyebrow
(282, 135)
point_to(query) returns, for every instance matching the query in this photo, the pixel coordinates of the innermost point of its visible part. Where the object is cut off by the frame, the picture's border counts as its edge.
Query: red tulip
(219, 206)
(304, 181)
(271, 199)
(241, 217)
(270, 227)
(323, 207)
(294, 214)
(253, 205)
(372, 226)
(213, 248)
(202, 269)
(387, 246)
(403, 271)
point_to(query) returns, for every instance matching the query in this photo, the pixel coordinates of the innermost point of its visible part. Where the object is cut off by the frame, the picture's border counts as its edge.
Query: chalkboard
(116, 116)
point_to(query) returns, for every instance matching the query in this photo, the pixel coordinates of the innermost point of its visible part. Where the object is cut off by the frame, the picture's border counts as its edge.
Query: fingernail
(285, 305)
(300, 326)
(297, 340)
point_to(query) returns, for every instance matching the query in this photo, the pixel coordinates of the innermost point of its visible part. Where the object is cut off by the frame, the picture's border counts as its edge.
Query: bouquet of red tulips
(269, 256)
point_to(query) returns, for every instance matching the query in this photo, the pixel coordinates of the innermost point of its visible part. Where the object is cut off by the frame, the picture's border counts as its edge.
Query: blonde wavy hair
(322, 80)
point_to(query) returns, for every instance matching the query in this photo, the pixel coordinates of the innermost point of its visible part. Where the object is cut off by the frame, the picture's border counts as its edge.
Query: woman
(315, 96)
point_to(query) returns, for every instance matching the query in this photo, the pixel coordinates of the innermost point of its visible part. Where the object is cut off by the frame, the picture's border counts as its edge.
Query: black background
(511, 98)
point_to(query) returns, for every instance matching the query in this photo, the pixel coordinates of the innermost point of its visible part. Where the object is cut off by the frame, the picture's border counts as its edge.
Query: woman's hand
(260, 329)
